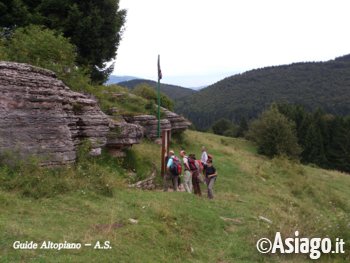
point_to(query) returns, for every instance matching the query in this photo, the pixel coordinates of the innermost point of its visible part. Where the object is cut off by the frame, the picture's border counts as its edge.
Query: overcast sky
(202, 41)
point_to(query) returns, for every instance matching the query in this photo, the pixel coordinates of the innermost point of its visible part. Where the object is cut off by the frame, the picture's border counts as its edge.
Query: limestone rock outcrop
(178, 123)
(122, 135)
(41, 116)
(171, 121)
(149, 124)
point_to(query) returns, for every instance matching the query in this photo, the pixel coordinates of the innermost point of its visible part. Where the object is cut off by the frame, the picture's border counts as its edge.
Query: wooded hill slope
(172, 91)
(324, 85)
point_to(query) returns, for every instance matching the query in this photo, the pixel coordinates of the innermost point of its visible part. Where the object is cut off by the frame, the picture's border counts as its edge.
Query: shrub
(29, 179)
(145, 91)
(166, 102)
(221, 126)
(3, 51)
(274, 134)
(231, 132)
(48, 49)
(138, 165)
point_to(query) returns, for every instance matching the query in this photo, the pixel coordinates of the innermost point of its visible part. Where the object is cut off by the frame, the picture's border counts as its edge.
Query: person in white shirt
(204, 157)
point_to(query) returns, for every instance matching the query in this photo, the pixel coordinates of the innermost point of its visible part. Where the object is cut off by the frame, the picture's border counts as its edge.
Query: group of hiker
(192, 175)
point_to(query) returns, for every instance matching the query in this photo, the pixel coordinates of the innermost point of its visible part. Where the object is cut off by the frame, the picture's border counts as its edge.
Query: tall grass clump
(30, 179)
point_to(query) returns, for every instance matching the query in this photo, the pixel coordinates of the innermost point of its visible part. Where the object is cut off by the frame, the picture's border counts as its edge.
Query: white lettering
(25, 245)
(278, 243)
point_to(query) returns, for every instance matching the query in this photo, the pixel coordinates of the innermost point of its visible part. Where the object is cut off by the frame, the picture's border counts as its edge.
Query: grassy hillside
(172, 91)
(314, 85)
(175, 227)
(116, 101)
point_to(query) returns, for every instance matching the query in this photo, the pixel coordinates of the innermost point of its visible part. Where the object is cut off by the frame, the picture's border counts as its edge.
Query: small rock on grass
(133, 221)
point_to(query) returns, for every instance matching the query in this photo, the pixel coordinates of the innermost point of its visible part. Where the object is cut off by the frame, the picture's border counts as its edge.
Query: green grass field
(175, 226)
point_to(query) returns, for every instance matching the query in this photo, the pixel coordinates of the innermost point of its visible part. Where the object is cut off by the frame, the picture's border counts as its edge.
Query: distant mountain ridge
(113, 79)
(324, 85)
(172, 91)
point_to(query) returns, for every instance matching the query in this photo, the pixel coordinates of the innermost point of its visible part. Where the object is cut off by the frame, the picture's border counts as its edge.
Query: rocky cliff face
(40, 116)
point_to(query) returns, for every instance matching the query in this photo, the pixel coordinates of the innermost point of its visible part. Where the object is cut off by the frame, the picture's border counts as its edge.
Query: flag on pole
(159, 70)
(158, 93)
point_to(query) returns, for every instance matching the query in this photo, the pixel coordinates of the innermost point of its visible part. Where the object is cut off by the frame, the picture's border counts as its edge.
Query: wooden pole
(165, 149)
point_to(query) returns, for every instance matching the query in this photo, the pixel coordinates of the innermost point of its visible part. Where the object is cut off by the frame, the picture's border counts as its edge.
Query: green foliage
(29, 179)
(314, 85)
(274, 134)
(242, 128)
(221, 126)
(325, 139)
(146, 91)
(95, 27)
(226, 128)
(166, 102)
(179, 138)
(42, 47)
(48, 49)
(13, 13)
(173, 92)
(3, 51)
(138, 165)
(231, 132)
(142, 160)
(115, 100)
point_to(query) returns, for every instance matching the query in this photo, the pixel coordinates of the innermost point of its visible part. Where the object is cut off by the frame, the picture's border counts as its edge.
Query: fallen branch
(265, 219)
(147, 181)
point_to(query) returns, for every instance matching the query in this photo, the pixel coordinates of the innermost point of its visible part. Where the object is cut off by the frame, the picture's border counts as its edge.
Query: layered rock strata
(122, 135)
(41, 116)
(149, 124)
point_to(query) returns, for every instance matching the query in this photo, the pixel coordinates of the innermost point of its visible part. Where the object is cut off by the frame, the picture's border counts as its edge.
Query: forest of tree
(290, 130)
(93, 27)
(324, 85)
(324, 138)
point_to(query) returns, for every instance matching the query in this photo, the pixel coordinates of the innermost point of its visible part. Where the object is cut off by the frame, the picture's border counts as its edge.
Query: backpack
(200, 165)
(176, 167)
(192, 164)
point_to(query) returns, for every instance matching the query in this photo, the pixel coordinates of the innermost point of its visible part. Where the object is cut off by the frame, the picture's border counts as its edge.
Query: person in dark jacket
(195, 175)
(211, 175)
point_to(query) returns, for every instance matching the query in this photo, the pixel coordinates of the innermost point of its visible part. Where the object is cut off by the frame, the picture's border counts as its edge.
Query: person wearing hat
(211, 176)
(195, 175)
(169, 176)
(187, 172)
